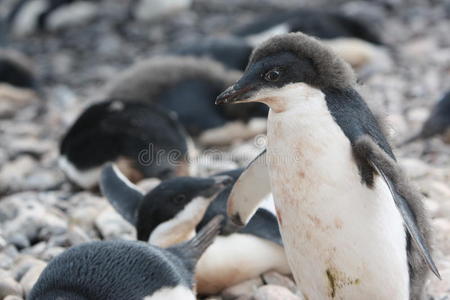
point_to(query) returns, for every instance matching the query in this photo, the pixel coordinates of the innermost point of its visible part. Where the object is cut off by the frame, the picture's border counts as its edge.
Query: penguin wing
(123, 195)
(402, 196)
(249, 191)
(264, 225)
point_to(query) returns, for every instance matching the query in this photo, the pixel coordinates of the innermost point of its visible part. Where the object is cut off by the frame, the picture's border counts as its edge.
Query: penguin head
(181, 200)
(287, 60)
(176, 197)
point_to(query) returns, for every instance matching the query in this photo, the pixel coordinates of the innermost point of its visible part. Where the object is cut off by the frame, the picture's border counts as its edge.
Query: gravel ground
(41, 214)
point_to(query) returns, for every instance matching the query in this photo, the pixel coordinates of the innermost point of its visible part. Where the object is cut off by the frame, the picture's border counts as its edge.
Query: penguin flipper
(385, 167)
(249, 190)
(122, 194)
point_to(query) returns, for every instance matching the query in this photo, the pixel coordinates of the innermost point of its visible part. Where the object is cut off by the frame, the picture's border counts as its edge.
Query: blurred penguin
(144, 139)
(185, 85)
(437, 123)
(186, 205)
(125, 270)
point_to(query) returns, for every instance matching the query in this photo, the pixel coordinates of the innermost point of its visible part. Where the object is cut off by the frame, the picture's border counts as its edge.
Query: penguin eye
(179, 199)
(272, 75)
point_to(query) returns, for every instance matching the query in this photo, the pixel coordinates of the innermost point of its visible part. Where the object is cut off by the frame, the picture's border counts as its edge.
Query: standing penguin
(178, 207)
(351, 226)
(125, 270)
(144, 139)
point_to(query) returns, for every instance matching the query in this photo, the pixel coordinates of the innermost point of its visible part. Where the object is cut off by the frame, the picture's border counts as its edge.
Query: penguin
(437, 123)
(125, 270)
(352, 226)
(178, 207)
(144, 139)
(186, 86)
(16, 69)
(324, 24)
(232, 52)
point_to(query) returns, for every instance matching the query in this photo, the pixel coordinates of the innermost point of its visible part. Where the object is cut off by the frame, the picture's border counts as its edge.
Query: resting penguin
(143, 138)
(16, 69)
(351, 225)
(438, 122)
(175, 209)
(185, 85)
(125, 270)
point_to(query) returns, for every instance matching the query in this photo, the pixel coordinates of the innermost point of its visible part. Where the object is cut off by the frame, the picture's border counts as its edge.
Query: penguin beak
(235, 94)
(219, 182)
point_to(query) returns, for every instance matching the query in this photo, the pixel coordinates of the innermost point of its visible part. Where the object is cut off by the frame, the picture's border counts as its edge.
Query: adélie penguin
(145, 140)
(351, 225)
(125, 270)
(178, 207)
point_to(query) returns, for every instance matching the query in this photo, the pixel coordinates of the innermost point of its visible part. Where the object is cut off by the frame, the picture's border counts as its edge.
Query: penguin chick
(349, 221)
(324, 24)
(16, 69)
(176, 209)
(437, 123)
(185, 85)
(232, 52)
(144, 139)
(125, 270)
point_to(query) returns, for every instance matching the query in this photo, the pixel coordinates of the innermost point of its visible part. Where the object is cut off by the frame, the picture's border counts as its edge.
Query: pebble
(72, 15)
(8, 286)
(242, 289)
(414, 168)
(149, 10)
(274, 292)
(31, 276)
(112, 226)
(275, 278)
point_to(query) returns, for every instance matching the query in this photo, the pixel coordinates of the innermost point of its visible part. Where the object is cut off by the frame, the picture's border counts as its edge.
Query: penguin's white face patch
(182, 227)
(178, 292)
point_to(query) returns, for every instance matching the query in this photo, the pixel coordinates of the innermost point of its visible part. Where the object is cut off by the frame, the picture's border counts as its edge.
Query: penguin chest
(343, 240)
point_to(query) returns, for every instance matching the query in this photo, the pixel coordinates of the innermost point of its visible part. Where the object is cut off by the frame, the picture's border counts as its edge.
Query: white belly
(236, 258)
(342, 239)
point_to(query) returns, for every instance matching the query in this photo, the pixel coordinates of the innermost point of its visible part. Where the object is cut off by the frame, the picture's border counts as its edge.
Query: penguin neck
(338, 233)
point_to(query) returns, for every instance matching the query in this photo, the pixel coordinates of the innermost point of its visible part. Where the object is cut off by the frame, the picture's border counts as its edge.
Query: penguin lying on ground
(125, 270)
(437, 123)
(232, 52)
(185, 85)
(351, 225)
(176, 208)
(324, 24)
(16, 69)
(144, 139)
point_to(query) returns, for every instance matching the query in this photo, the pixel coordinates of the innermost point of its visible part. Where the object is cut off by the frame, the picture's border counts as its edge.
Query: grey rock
(242, 289)
(111, 225)
(31, 276)
(23, 264)
(274, 292)
(6, 262)
(8, 286)
(275, 278)
(12, 297)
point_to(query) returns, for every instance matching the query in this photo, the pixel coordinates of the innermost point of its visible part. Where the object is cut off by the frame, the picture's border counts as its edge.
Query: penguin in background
(107, 270)
(437, 123)
(178, 207)
(232, 52)
(186, 86)
(145, 140)
(350, 221)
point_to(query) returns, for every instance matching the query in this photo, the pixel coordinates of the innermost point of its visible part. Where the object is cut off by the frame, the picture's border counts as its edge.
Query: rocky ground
(41, 214)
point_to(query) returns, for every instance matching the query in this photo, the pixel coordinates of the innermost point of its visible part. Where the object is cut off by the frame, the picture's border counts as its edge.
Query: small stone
(149, 10)
(242, 289)
(72, 15)
(8, 286)
(414, 168)
(111, 225)
(19, 240)
(275, 278)
(29, 279)
(6, 262)
(274, 292)
(12, 297)
(23, 264)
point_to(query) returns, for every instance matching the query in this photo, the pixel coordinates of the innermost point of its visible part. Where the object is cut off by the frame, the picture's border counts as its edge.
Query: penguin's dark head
(287, 59)
(178, 198)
